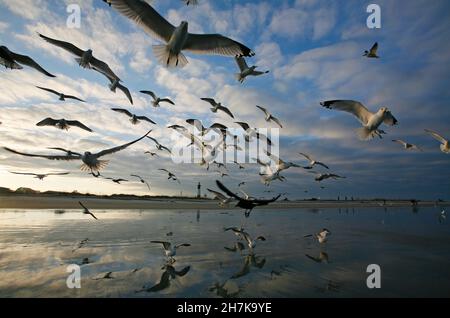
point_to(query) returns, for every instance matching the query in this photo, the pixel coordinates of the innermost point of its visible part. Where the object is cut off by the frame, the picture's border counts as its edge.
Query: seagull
(90, 160)
(170, 249)
(251, 243)
(159, 146)
(62, 97)
(241, 184)
(40, 176)
(322, 258)
(223, 200)
(370, 121)
(281, 165)
(151, 153)
(312, 161)
(218, 106)
(176, 39)
(188, 2)
(270, 117)
(141, 180)
(406, 145)
(247, 204)
(13, 60)
(177, 127)
(251, 132)
(373, 52)
(171, 175)
(238, 246)
(115, 83)
(86, 210)
(445, 146)
(84, 58)
(245, 70)
(241, 167)
(68, 152)
(157, 100)
(118, 181)
(134, 119)
(322, 236)
(62, 124)
(320, 177)
(266, 179)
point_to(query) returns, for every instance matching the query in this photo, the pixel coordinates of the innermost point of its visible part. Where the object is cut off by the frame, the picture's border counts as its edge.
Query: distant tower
(199, 190)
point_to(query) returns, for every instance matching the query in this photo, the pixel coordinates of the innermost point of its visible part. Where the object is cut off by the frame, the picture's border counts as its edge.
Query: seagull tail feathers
(239, 77)
(78, 59)
(365, 133)
(164, 56)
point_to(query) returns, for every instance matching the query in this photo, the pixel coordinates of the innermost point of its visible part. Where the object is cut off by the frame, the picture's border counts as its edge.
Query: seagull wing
(47, 122)
(166, 100)
(26, 60)
(64, 45)
(126, 91)
(264, 110)
(219, 195)
(374, 49)
(149, 93)
(215, 44)
(58, 174)
(123, 111)
(209, 100)
(48, 90)
(436, 136)
(226, 190)
(306, 156)
(74, 97)
(145, 118)
(119, 148)
(146, 17)
(166, 245)
(350, 106)
(103, 68)
(276, 121)
(226, 111)
(263, 202)
(23, 173)
(240, 61)
(244, 126)
(322, 164)
(401, 142)
(389, 119)
(78, 124)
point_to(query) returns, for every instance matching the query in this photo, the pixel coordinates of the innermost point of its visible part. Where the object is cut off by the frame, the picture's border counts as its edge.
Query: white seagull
(223, 200)
(90, 160)
(445, 146)
(134, 119)
(157, 100)
(407, 145)
(170, 249)
(322, 236)
(218, 106)
(370, 121)
(312, 161)
(176, 39)
(270, 117)
(40, 176)
(245, 70)
(13, 60)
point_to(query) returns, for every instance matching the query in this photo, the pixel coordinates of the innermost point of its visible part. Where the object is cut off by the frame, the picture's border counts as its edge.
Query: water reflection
(249, 261)
(169, 273)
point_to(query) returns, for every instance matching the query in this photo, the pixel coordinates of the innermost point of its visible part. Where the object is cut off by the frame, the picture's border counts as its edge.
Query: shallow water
(412, 247)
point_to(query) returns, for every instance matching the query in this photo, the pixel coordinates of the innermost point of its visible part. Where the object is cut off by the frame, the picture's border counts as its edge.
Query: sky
(313, 49)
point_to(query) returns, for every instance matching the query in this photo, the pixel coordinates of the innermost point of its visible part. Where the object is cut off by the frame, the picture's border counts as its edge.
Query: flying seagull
(281, 165)
(322, 236)
(188, 2)
(41, 176)
(370, 121)
(62, 124)
(62, 96)
(270, 117)
(170, 249)
(13, 61)
(266, 179)
(245, 70)
(406, 145)
(141, 180)
(68, 152)
(118, 181)
(223, 200)
(312, 161)
(176, 39)
(251, 132)
(171, 176)
(320, 177)
(157, 100)
(90, 160)
(115, 83)
(134, 119)
(373, 52)
(247, 204)
(251, 243)
(86, 210)
(218, 106)
(159, 146)
(84, 58)
(445, 146)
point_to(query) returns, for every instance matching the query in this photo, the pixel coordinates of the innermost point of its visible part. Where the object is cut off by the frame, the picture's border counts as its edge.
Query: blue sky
(313, 49)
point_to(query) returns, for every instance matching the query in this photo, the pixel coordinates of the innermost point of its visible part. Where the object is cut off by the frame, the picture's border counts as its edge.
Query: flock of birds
(175, 41)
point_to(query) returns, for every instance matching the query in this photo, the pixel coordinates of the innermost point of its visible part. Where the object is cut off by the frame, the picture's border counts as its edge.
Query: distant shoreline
(71, 202)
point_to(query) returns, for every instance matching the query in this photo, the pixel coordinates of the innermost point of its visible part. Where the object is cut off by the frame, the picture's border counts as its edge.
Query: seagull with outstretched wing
(157, 100)
(86, 210)
(407, 145)
(245, 70)
(217, 106)
(62, 124)
(269, 116)
(312, 161)
(13, 61)
(445, 146)
(40, 176)
(176, 39)
(62, 96)
(373, 52)
(134, 119)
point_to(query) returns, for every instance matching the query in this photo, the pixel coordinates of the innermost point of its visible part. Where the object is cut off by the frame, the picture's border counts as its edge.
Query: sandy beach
(43, 202)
